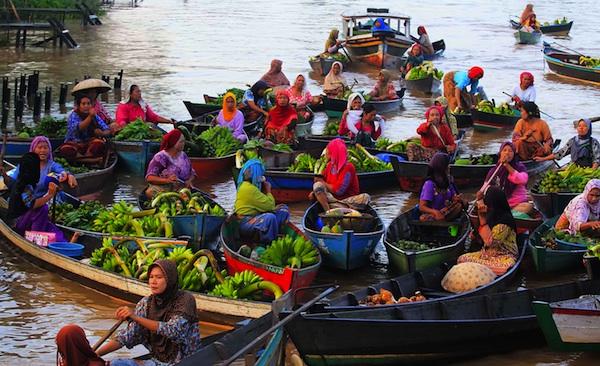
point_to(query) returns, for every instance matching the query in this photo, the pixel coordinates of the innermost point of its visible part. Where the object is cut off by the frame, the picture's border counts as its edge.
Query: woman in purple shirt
(438, 192)
(232, 118)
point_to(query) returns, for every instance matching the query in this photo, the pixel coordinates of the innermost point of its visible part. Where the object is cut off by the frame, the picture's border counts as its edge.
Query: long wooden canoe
(94, 180)
(523, 37)
(428, 85)
(198, 109)
(134, 156)
(483, 121)
(567, 64)
(551, 260)
(562, 29)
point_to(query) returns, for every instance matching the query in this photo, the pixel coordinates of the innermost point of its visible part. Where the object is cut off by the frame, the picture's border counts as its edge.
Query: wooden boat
(463, 120)
(428, 85)
(348, 250)
(571, 325)
(16, 147)
(523, 224)
(334, 108)
(322, 65)
(524, 37)
(408, 227)
(383, 50)
(94, 180)
(411, 174)
(484, 121)
(567, 64)
(551, 29)
(550, 260)
(551, 204)
(286, 278)
(428, 332)
(391, 105)
(208, 168)
(134, 156)
(211, 308)
(198, 109)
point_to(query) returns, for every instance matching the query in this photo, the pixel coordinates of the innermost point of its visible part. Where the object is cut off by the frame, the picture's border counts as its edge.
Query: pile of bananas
(489, 107)
(589, 62)
(185, 202)
(485, 159)
(290, 252)
(365, 162)
(383, 143)
(138, 130)
(572, 179)
(122, 220)
(304, 162)
(245, 285)
(81, 217)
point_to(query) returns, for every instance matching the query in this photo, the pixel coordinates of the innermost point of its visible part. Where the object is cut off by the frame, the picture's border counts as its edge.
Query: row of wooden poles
(27, 92)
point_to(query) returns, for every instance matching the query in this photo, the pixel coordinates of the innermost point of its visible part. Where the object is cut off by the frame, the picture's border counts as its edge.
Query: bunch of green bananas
(138, 130)
(571, 179)
(185, 202)
(221, 138)
(423, 71)
(288, 251)
(303, 162)
(365, 162)
(331, 128)
(243, 285)
(122, 220)
(589, 61)
(383, 143)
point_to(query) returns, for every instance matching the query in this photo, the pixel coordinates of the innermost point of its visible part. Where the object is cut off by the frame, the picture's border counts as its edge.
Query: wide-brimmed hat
(83, 86)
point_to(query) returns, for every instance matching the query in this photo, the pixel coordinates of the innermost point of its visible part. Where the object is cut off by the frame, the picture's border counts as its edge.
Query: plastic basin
(68, 249)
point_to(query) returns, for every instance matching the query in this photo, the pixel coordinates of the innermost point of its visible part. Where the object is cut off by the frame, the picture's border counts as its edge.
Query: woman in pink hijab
(275, 77)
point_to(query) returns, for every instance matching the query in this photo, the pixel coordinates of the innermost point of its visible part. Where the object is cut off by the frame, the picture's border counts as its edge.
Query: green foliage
(47, 126)
(138, 130)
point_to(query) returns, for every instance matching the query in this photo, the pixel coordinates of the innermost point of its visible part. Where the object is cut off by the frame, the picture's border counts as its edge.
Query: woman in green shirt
(255, 204)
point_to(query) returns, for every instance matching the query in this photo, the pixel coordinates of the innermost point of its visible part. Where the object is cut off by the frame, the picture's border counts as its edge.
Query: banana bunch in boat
(364, 162)
(305, 163)
(383, 143)
(489, 107)
(138, 130)
(571, 179)
(423, 71)
(245, 285)
(589, 62)
(122, 220)
(185, 202)
(288, 251)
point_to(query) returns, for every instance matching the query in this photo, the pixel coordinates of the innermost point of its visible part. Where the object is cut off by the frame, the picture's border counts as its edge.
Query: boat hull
(208, 168)
(198, 109)
(346, 251)
(93, 181)
(463, 120)
(552, 204)
(557, 29)
(564, 257)
(382, 52)
(428, 85)
(134, 156)
(567, 65)
(523, 37)
(483, 121)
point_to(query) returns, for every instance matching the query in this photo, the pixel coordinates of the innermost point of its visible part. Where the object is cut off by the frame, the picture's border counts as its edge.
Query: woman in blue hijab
(584, 149)
(380, 26)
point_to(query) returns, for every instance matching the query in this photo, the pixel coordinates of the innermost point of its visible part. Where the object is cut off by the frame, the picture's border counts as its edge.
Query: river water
(180, 50)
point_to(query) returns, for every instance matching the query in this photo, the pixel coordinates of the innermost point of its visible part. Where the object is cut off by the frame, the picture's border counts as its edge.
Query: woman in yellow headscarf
(232, 118)
(332, 45)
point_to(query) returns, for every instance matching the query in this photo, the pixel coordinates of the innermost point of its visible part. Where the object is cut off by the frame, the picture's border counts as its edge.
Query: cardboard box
(40, 238)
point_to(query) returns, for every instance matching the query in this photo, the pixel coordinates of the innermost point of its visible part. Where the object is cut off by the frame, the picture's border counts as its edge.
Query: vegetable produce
(239, 94)
(304, 162)
(489, 107)
(572, 179)
(47, 126)
(138, 130)
(423, 71)
(185, 202)
(385, 297)
(82, 217)
(485, 159)
(73, 169)
(290, 252)
(215, 142)
(589, 62)
(413, 246)
(331, 128)
(549, 239)
(384, 143)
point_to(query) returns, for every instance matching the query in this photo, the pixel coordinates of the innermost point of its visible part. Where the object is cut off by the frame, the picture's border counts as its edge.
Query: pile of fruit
(287, 251)
(335, 229)
(423, 71)
(383, 143)
(413, 246)
(47, 126)
(549, 240)
(558, 21)
(82, 217)
(489, 107)
(485, 159)
(197, 272)
(331, 127)
(73, 169)
(305, 163)
(348, 91)
(365, 162)
(122, 220)
(385, 297)
(215, 142)
(572, 179)
(239, 94)
(138, 130)
(185, 202)
(589, 62)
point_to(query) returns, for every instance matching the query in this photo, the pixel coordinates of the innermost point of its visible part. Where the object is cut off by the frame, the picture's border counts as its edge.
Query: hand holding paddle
(107, 335)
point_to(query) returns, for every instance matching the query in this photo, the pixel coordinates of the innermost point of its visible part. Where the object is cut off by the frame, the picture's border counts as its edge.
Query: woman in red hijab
(424, 41)
(339, 182)
(525, 91)
(74, 348)
(275, 77)
(170, 167)
(435, 137)
(281, 122)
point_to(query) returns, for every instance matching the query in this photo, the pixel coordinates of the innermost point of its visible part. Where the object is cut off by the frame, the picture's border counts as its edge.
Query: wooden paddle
(343, 48)
(107, 335)
(278, 325)
(545, 114)
(569, 49)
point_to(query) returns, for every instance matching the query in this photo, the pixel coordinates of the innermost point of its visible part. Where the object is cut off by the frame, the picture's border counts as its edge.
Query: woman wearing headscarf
(135, 108)
(583, 148)
(380, 26)
(384, 88)
(170, 167)
(531, 135)
(300, 97)
(339, 182)
(447, 117)
(424, 41)
(260, 218)
(369, 127)
(47, 167)
(415, 58)
(455, 88)
(255, 102)
(282, 119)
(498, 230)
(510, 175)
(275, 77)
(582, 214)
(332, 45)
(335, 82)
(28, 210)
(525, 91)
(439, 199)
(229, 116)
(435, 136)
(74, 349)
(166, 322)
(85, 132)
(352, 115)
(526, 14)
